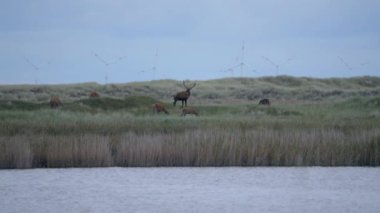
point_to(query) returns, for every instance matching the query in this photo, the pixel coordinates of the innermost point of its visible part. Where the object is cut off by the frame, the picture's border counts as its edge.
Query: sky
(117, 41)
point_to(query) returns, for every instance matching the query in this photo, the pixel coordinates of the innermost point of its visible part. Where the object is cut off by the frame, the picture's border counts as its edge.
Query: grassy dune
(320, 128)
(221, 91)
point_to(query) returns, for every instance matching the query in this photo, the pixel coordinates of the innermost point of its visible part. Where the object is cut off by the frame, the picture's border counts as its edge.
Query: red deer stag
(159, 107)
(55, 102)
(192, 111)
(184, 95)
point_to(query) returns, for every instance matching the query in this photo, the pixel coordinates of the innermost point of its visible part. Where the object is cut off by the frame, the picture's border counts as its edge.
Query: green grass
(20, 105)
(116, 115)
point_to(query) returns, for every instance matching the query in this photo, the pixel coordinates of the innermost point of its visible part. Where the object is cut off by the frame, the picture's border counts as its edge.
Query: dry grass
(15, 152)
(51, 151)
(199, 147)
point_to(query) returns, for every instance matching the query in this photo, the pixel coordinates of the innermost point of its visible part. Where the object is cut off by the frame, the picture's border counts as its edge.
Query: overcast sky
(71, 41)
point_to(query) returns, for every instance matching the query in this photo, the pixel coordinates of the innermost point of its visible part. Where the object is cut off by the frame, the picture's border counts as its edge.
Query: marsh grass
(15, 152)
(198, 147)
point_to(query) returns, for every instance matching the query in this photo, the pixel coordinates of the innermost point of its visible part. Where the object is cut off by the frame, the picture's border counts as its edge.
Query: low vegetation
(298, 129)
(220, 91)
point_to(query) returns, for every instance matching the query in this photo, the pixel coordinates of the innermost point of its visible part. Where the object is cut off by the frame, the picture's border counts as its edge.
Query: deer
(55, 102)
(184, 95)
(94, 95)
(186, 111)
(264, 101)
(159, 107)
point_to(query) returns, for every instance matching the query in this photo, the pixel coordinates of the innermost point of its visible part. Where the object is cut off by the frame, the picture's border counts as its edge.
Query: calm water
(309, 189)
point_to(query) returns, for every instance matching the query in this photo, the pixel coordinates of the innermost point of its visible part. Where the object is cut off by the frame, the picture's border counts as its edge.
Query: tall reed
(55, 151)
(15, 152)
(196, 147)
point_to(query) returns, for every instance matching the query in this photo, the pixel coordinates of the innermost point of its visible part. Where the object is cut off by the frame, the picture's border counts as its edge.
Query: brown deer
(55, 102)
(264, 101)
(184, 95)
(94, 94)
(159, 107)
(192, 111)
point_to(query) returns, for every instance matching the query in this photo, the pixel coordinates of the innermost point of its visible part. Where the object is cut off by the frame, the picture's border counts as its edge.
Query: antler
(191, 87)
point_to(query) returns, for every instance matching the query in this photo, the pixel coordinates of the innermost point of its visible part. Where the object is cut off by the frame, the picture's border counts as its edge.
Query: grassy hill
(219, 91)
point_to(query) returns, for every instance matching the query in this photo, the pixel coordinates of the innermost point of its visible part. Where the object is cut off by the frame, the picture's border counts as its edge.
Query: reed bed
(196, 147)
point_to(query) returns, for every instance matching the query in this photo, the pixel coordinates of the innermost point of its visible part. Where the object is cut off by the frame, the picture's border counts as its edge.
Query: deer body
(94, 95)
(181, 96)
(184, 95)
(264, 101)
(55, 102)
(192, 111)
(159, 107)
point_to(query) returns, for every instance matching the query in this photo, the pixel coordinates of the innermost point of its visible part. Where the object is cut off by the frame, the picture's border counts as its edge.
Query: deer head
(188, 88)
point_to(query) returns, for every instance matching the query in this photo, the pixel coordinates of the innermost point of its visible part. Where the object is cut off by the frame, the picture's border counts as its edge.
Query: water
(310, 189)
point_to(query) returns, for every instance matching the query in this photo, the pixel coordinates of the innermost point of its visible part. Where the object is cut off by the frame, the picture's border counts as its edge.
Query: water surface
(236, 189)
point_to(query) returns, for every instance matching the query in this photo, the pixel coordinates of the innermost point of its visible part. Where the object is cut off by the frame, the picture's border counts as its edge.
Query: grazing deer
(94, 94)
(55, 102)
(264, 101)
(159, 107)
(192, 111)
(184, 95)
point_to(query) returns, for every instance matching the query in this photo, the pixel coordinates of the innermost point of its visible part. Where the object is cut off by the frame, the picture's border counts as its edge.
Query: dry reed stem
(199, 147)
